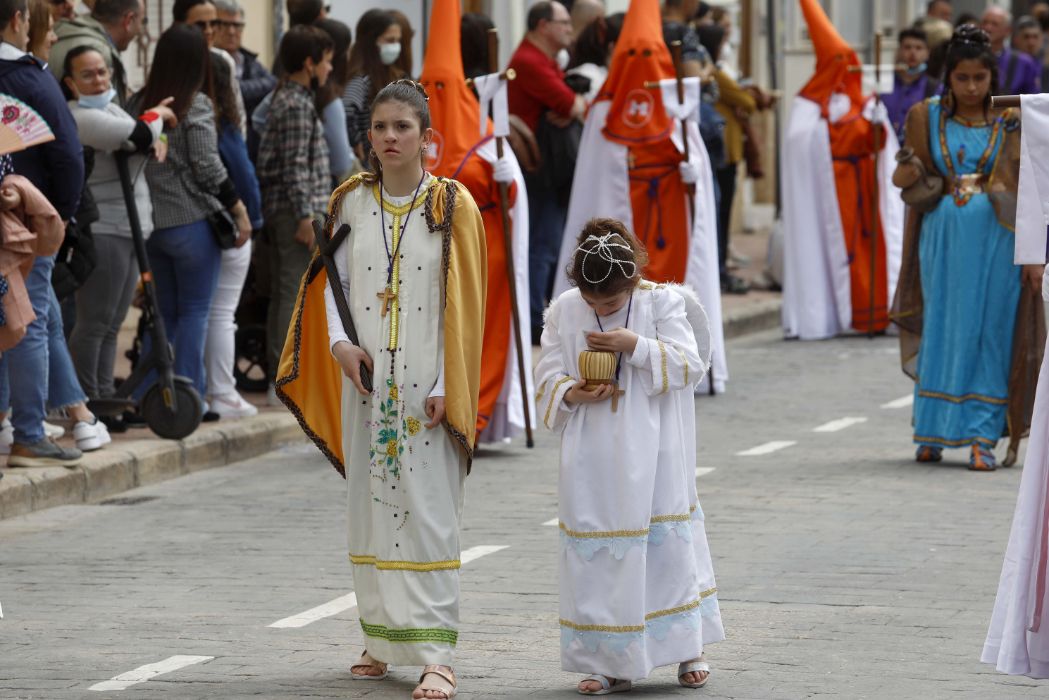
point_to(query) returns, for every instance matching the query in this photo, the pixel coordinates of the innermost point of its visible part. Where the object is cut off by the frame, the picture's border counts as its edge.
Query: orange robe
(852, 147)
(659, 202)
(476, 175)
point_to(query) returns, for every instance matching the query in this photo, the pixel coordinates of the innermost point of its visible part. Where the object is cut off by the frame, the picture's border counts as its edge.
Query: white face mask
(99, 101)
(563, 57)
(388, 53)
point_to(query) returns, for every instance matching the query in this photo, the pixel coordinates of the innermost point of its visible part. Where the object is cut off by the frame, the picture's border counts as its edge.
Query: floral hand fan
(21, 126)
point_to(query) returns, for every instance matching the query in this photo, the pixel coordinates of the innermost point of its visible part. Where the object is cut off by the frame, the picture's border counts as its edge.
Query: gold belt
(970, 184)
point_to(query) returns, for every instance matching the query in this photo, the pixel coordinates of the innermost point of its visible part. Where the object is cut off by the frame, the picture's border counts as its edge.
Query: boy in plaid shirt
(293, 174)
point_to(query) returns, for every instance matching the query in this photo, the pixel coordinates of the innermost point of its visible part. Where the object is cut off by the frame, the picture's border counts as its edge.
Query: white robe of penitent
(817, 291)
(601, 188)
(637, 585)
(1018, 637)
(508, 420)
(404, 481)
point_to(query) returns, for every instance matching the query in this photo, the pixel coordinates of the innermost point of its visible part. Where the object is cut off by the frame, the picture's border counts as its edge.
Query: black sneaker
(45, 453)
(133, 419)
(115, 424)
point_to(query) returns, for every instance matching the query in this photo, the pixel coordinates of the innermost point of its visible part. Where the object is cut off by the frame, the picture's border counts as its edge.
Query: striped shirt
(358, 111)
(192, 182)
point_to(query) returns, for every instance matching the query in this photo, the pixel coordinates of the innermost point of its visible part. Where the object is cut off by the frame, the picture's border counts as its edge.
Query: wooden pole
(1003, 101)
(504, 210)
(875, 189)
(675, 53)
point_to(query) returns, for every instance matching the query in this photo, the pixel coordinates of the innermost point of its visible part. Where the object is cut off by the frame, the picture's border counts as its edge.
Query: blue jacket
(56, 167)
(234, 154)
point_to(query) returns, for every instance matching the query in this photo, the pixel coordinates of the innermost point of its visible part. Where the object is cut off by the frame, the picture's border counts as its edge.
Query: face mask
(99, 101)
(563, 57)
(388, 53)
(918, 69)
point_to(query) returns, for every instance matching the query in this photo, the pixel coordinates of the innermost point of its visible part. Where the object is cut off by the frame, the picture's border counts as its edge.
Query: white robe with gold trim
(637, 584)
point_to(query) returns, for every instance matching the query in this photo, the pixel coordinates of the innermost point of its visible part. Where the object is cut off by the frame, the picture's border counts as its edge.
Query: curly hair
(608, 259)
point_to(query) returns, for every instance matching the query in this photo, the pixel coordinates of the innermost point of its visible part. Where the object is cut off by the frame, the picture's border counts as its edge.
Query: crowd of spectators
(230, 161)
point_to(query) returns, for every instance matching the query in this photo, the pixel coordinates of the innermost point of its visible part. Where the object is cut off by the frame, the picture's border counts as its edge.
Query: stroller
(171, 407)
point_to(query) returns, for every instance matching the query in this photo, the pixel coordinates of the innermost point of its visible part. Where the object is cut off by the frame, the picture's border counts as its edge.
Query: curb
(761, 316)
(129, 464)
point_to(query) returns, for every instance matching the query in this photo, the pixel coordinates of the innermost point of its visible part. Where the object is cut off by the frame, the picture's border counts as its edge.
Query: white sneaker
(7, 436)
(90, 436)
(232, 406)
(53, 431)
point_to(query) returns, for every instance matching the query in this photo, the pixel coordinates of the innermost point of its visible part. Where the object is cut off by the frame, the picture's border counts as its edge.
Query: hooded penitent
(831, 111)
(628, 168)
(459, 151)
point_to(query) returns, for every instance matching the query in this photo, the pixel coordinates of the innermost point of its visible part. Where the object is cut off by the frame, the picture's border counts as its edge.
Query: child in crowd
(637, 584)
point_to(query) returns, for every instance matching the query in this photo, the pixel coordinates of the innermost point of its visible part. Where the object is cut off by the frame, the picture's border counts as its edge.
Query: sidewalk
(138, 458)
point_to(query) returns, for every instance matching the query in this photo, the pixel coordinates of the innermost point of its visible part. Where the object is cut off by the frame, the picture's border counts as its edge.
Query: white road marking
(840, 424)
(552, 522)
(902, 402)
(148, 672)
(703, 471)
(767, 448)
(475, 553)
(332, 607)
(349, 601)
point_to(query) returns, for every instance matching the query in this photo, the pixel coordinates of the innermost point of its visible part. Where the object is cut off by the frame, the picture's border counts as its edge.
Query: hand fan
(21, 126)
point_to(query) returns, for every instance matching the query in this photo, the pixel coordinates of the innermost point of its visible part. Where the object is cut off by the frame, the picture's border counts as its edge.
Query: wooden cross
(616, 393)
(386, 296)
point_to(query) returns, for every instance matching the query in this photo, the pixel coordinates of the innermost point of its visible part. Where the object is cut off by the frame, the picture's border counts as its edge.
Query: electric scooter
(171, 407)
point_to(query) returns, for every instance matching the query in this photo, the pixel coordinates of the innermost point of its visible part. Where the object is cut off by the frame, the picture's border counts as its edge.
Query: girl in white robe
(637, 585)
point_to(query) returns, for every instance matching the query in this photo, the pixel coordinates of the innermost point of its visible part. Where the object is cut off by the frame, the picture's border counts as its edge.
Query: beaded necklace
(962, 198)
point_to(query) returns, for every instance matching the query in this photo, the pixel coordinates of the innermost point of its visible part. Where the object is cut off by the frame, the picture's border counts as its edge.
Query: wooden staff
(1003, 101)
(875, 189)
(504, 210)
(679, 77)
(675, 52)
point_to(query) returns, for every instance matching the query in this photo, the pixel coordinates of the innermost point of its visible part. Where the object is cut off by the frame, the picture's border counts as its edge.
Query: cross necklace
(617, 392)
(389, 293)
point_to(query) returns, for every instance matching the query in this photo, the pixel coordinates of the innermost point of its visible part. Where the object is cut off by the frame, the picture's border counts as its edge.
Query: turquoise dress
(971, 289)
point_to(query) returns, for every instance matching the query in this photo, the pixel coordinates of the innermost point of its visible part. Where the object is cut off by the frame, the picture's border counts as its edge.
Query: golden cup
(597, 368)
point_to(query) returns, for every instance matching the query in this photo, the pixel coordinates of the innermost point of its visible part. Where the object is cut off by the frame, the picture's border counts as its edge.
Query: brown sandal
(440, 671)
(368, 662)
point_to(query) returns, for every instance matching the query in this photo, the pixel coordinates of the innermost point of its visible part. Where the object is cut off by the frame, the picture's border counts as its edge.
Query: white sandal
(693, 667)
(437, 671)
(367, 661)
(608, 685)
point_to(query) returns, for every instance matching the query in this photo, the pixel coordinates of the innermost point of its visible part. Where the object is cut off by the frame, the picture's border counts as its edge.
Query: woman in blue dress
(964, 334)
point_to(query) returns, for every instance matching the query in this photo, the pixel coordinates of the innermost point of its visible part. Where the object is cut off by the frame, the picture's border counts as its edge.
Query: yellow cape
(309, 380)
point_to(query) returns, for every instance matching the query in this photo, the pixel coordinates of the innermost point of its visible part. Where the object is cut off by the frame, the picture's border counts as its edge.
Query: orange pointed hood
(637, 115)
(454, 109)
(833, 57)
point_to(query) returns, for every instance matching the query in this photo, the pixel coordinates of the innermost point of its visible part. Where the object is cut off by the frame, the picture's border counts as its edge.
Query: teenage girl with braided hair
(629, 515)
(958, 301)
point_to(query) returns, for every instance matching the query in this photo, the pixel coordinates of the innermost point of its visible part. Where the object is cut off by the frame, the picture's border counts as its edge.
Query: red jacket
(539, 86)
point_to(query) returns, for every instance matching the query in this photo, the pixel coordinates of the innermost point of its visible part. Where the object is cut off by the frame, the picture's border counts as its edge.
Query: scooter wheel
(177, 424)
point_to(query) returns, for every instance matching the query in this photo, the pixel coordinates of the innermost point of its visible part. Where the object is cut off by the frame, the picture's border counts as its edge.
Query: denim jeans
(546, 226)
(27, 364)
(185, 262)
(63, 387)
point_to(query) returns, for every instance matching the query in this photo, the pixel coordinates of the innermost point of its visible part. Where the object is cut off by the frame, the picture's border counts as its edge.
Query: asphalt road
(844, 568)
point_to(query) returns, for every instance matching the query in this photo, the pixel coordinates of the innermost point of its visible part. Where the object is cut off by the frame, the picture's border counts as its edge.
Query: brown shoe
(43, 454)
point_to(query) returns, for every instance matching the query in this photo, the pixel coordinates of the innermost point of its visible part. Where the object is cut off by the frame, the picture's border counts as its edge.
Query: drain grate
(126, 500)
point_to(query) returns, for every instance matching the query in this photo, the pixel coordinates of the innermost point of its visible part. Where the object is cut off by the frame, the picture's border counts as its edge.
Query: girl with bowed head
(619, 362)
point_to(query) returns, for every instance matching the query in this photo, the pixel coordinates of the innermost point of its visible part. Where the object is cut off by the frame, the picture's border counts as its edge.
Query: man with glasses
(109, 29)
(540, 96)
(255, 81)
